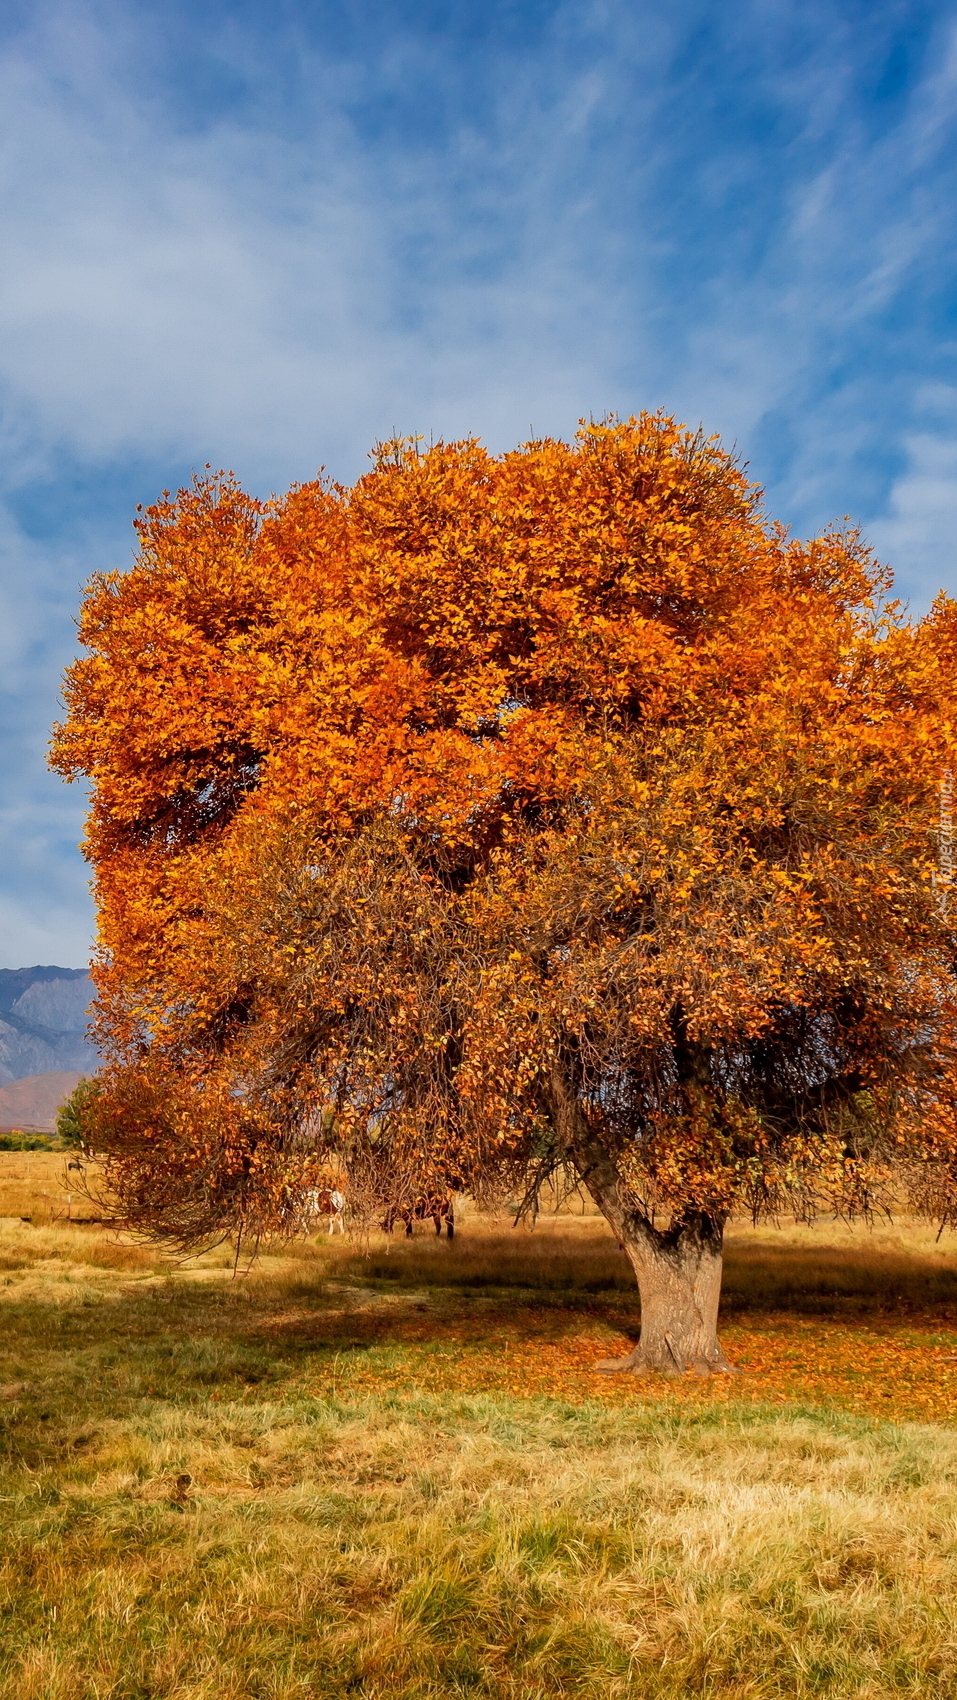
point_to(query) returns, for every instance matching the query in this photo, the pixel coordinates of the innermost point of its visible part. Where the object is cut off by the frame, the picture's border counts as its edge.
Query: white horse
(323, 1201)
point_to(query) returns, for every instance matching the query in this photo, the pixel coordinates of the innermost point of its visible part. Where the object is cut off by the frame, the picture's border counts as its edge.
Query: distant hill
(33, 1102)
(43, 1017)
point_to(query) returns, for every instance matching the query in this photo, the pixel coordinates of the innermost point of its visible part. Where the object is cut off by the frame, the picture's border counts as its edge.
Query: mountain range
(43, 1017)
(31, 1105)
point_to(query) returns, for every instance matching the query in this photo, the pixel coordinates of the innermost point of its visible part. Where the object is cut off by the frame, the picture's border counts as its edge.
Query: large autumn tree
(506, 813)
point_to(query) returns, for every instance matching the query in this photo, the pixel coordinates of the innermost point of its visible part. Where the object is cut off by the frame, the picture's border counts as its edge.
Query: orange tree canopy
(499, 806)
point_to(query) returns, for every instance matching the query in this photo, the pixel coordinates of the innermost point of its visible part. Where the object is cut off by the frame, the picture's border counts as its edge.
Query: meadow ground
(391, 1471)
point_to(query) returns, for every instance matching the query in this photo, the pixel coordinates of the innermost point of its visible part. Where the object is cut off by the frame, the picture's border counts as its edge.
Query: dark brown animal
(438, 1207)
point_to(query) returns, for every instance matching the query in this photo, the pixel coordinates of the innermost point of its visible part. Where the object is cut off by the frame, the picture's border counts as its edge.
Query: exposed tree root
(672, 1365)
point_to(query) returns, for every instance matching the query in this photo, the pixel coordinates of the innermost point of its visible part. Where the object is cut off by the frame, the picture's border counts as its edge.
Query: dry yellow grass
(285, 1486)
(40, 1185)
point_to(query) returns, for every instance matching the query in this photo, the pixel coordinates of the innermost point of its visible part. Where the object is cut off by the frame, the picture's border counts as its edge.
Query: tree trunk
(679, 1281)
(678, 1269)
(678, 1272)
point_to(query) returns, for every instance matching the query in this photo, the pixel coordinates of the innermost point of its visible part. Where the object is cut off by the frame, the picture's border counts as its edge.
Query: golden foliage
(503, 810)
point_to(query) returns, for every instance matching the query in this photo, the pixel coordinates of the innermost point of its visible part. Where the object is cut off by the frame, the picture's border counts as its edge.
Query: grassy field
(391, 1471)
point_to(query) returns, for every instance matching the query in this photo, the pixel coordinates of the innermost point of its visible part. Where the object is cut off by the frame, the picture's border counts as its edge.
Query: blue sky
(266, 235)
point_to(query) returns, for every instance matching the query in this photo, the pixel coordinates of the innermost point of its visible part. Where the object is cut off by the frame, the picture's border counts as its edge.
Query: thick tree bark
(678, 1269)
(679, 1281)
(678, 1272)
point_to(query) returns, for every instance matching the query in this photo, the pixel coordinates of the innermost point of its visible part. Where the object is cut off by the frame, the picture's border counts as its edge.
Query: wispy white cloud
(919, 524)
(45, 908)
(270, 297)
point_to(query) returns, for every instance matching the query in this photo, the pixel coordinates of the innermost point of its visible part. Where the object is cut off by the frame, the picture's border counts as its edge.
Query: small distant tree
(75, 1119)
(499, 815)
